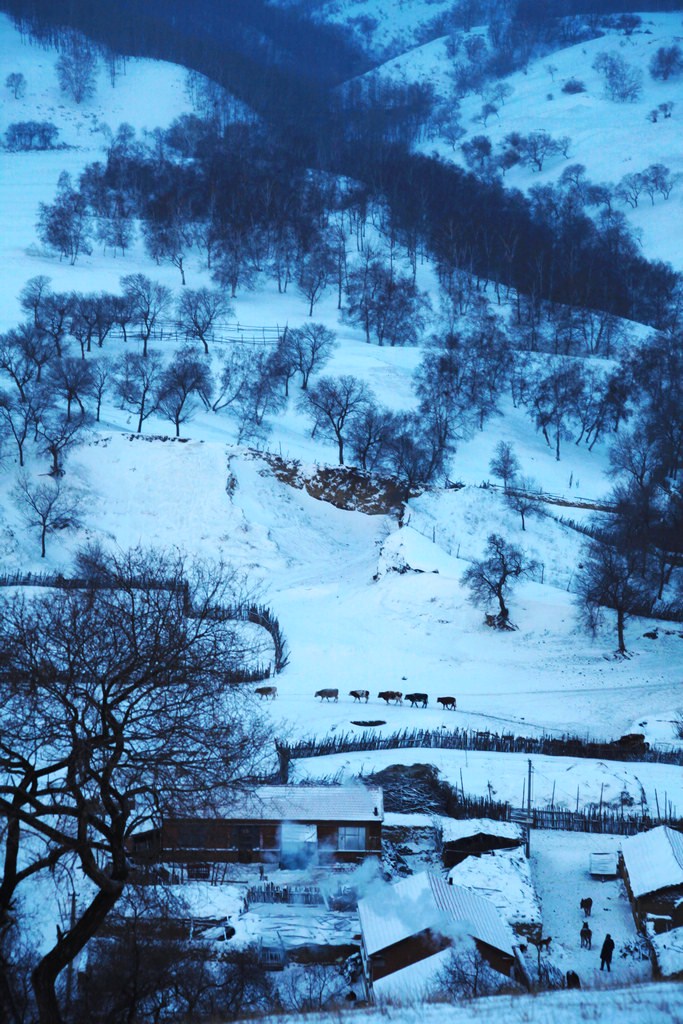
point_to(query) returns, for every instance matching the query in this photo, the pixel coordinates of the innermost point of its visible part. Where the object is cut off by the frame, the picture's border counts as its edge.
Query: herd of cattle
(417, 700)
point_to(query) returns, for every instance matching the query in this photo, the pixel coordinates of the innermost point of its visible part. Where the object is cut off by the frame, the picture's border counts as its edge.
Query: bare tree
(57, 435)
(16, 83)
(312, 345)
(136, 380)
(198, 312)
(65, 225)
(185, 382)
(114, 712)
(492, 576)
(332, 403)
(667, 62)
(149, 302)
(18, 416)
(71, 379)
(524, 498)
(504, 464)
(623, 81)
(236, 263)
(467, 975)
(168, 240)
(101, 373)
(76, 69)
(370, 437)
(610, 579)
(48, 507)
(315, 269)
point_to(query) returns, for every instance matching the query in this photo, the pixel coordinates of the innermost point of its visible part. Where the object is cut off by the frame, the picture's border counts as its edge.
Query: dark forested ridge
(287, 68)
(172, 30)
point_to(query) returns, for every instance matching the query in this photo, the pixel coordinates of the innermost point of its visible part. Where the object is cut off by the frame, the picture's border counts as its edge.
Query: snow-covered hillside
(610, 139)
(350, 619)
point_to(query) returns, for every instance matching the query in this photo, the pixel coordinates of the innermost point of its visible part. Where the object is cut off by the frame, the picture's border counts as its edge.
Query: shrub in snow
(623, 81)
(573, 85)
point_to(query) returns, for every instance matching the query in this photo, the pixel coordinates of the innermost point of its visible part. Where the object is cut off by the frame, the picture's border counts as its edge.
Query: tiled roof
(654, 860)
(306, 803)
(425, 901)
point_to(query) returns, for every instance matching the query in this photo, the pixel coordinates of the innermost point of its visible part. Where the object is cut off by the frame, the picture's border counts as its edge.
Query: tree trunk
(621, 618)
(68, 946)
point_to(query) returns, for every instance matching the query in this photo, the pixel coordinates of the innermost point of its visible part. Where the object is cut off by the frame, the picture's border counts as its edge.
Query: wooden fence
(470, 739)
(259, 614)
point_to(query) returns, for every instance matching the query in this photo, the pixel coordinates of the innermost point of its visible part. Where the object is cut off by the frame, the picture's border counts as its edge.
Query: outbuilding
(652, 865)
(420, 917)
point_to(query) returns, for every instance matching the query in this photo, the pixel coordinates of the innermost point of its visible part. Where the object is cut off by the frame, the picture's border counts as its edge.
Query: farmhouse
(652, 864)
(282, 826)
(420, 917)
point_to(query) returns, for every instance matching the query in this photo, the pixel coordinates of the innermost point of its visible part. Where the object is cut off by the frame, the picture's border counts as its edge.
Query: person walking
(606, 952)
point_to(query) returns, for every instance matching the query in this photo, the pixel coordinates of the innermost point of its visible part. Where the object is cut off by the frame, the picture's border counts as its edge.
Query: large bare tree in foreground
(114, 710)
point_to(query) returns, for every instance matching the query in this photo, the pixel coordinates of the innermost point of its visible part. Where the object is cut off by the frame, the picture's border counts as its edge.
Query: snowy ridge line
(625, 749)
(259, 615)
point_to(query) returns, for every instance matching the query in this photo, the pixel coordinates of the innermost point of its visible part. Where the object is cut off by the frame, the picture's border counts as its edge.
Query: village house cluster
(316, 885)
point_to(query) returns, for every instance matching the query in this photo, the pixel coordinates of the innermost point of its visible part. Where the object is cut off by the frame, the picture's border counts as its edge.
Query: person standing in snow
(606, 952)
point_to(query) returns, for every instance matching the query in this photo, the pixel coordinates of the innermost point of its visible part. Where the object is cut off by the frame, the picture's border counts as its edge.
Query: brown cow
(327, 695)
(360, 695)
(447, 703)
(266, 692)
(390, 695)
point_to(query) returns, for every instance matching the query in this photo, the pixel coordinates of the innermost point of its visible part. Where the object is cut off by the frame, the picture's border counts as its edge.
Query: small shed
(421, 916)
(653, 872)
(604, 865)
(504, 878)
(473, 836)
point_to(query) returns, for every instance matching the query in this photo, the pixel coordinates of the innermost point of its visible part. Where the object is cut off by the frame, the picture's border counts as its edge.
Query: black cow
(416, 699)
(447, 703)
(266, 692)
(360, 695)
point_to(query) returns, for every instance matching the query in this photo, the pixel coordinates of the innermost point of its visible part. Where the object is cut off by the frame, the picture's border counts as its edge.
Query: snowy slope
(610, 139)
(314, 563)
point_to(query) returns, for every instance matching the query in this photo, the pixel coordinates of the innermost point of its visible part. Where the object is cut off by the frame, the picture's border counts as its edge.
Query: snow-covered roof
(424, 901)
(413, 983)
(454, 829)
(668, 949)
(307, 803)
(654, 860)
(504, 878)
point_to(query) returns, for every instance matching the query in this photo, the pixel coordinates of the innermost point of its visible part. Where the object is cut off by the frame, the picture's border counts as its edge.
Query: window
(351, 837)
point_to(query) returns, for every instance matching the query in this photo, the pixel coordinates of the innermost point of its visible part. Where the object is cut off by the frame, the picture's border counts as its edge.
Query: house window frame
(352, 838)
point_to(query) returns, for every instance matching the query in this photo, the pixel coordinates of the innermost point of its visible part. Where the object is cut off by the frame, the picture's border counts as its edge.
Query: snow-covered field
(646, 1004)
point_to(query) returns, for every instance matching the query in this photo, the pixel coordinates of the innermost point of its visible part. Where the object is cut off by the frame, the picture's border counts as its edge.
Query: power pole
(528, 813)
